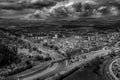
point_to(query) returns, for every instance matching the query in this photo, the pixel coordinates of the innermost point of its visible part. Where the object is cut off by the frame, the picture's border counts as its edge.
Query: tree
(112, 53)
(35, 48)
(68, 54)
(9, 55)
(38, 58)
(1, 57)
(45, 44)
(56, 48)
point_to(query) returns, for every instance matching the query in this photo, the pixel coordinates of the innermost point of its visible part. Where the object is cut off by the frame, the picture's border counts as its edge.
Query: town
(35, 50)
(59, 39)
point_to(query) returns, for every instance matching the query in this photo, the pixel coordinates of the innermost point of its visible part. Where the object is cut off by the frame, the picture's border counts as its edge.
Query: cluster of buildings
(85, 43)
(116, 68)
(79, 43)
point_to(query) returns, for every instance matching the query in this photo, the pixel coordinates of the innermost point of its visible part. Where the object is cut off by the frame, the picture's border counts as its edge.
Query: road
(37, 68)
(110, 68)
(107, 69)
(60, 66)
(34, 72)
(56, 67)
(90, 56)
(53, 67)
(48, 70)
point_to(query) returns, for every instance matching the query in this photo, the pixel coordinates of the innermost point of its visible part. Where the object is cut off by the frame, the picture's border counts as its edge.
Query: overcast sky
(22, 8)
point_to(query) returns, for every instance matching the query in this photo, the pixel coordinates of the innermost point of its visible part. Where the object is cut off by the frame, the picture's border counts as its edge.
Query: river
(84, 75)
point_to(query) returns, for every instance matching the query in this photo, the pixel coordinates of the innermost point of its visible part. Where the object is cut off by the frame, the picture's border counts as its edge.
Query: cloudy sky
(44, 8)
(20, 8)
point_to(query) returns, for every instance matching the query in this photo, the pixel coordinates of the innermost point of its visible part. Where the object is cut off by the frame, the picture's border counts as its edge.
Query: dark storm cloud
(38, 4)
(21, 4)
(46, 8)
(89, 8)
(15, 13)
(13, 8)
